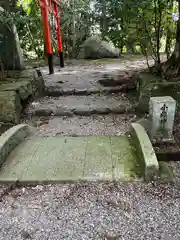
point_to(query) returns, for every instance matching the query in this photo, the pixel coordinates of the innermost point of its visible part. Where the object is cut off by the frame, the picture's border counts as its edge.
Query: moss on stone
(10, 106)
(145, 152)
(14, 91)
(148, 85)
(36, 81)
(11, 138)
(22, 88)
(166, 173)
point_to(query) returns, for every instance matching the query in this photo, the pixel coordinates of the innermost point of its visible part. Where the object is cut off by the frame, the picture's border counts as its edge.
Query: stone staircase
(78, 135)
(77, 104)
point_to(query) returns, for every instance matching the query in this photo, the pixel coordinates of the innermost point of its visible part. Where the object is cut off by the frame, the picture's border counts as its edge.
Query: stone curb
(58, 112)
(145, 152)
(10, 139)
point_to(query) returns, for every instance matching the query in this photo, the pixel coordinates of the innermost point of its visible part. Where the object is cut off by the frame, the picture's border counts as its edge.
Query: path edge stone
(54, 92)
(11, 138)
(145, 151)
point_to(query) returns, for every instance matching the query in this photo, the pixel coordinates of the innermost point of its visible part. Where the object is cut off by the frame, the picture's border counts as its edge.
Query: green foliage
(142, 25)
(30, 28)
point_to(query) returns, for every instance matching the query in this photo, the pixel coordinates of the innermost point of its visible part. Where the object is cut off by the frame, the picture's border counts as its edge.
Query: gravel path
(92, 211)
(107, 125)
(175, 165)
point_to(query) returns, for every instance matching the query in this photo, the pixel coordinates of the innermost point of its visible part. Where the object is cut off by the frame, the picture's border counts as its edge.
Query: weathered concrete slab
(98, 162)
(60, 159)
(18, 161)
(124, 162)
(69, 159)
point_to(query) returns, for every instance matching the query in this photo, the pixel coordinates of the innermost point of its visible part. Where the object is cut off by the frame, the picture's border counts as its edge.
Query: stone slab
(98, 162)
(67, 159)
(124, 162)
(18, 161)
(57, 159)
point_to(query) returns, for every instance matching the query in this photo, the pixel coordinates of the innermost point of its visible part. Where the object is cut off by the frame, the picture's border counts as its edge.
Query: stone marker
(161, 113)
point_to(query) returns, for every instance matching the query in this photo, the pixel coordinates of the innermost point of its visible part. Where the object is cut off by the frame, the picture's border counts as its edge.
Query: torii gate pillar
(46, 7)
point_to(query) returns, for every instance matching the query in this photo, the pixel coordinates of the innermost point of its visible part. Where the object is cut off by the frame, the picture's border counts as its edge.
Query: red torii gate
(46, 7)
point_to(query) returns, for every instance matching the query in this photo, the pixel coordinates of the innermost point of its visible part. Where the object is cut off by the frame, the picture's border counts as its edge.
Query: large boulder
(10, 107)
(10, 51)
(95, 48)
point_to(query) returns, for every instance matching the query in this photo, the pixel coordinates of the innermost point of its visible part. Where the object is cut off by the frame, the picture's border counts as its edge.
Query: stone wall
(10, 106)
(13, 94)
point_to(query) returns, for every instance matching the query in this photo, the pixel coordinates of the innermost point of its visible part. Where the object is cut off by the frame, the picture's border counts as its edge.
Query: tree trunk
(103, 19)
(168, 43)
(171, 68)
(169, 33)
(73, 29)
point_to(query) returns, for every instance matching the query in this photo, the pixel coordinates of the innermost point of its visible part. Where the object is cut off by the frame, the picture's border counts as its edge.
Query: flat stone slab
(71, 159)
(80, 105)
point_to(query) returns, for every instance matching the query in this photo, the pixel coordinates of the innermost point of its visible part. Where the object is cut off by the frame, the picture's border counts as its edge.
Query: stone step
(57, 91)
(78, 81)
(96, 125)
(80, 105)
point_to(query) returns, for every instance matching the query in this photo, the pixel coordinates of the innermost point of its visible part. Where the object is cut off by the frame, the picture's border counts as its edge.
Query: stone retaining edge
(69, 91)
(145, 151)
(11, 138)
(58, 112)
